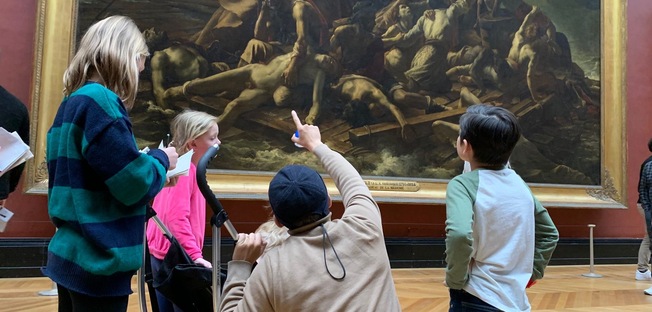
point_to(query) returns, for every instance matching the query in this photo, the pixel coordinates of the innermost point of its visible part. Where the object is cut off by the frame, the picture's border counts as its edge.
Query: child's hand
(204, 263)
(171, 181)
(531, 283)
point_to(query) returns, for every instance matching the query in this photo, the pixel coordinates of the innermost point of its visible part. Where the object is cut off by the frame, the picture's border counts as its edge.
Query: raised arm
(458, 8)
(356, 197)
(300, 46)
(263, 23)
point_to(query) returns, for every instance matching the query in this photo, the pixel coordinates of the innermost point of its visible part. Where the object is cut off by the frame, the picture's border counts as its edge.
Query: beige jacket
(293, 275)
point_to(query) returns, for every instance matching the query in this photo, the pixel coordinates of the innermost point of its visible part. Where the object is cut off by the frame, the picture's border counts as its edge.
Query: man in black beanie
(324, 265)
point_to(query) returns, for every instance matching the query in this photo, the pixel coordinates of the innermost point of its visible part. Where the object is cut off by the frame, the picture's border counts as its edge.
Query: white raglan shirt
(490, 237)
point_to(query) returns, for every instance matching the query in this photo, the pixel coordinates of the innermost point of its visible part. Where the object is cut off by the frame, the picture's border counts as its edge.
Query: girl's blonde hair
(112, 47)
(188, 126)
(273, 234)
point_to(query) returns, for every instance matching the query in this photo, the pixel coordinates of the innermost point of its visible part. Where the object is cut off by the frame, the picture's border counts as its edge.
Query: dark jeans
(70, 301)
(462, 301)
(164, 305)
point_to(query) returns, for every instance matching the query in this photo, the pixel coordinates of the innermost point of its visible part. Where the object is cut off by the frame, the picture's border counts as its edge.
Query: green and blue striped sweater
(99, 185)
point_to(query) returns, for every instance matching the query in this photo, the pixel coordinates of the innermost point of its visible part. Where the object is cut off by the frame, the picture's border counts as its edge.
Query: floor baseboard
(25, 257)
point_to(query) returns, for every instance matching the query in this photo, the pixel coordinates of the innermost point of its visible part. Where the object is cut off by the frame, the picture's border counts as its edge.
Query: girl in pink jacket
(182, 208)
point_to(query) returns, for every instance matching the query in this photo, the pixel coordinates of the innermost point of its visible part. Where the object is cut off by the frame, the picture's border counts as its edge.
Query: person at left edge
(14, 117)
(99, 183)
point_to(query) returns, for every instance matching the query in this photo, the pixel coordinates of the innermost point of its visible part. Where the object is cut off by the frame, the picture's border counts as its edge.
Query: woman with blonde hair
(182, 208)
(99, 182)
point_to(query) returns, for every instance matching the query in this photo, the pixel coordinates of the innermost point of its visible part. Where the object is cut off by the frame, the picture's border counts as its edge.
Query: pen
(296, 134)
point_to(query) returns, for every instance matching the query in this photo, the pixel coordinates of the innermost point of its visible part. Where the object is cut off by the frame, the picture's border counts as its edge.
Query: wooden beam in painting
(279, 121)
(421, 124)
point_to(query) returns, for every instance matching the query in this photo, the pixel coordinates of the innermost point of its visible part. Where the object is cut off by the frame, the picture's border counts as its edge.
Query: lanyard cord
(324, 236)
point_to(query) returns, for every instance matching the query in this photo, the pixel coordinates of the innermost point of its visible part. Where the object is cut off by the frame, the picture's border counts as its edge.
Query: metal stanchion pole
(218, 219)
(591, 267)
(140, 278)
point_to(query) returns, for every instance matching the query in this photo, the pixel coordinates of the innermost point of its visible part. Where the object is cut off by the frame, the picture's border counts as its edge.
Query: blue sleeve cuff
(161, 157)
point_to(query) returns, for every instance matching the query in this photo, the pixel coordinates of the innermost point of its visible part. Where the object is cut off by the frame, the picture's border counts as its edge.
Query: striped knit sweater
(99, 184)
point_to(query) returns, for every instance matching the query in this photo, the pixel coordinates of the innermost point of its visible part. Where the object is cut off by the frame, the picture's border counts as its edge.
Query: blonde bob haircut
(188, 126)
(112, 48)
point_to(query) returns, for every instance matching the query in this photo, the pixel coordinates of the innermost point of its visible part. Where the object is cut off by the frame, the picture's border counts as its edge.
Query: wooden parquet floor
(420, 290)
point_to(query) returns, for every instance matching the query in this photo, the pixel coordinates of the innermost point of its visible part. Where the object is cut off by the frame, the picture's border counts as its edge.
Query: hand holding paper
(179, 165)
(13, 152)
(183, 165)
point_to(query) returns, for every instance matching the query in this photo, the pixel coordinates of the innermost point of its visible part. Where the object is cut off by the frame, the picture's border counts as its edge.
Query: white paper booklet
(183, 165)
(13, 151)
(5, 215)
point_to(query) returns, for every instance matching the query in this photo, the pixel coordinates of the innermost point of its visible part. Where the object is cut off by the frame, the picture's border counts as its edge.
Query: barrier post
(591, 266)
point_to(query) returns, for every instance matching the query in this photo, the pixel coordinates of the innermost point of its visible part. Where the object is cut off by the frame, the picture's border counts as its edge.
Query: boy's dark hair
(649, 145)
(491, 131)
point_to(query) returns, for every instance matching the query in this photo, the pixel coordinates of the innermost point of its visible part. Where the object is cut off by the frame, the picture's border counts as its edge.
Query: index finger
(297, 121)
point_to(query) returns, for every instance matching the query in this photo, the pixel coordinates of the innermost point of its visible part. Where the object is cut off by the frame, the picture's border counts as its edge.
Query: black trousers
(462, 301)
(70, 301)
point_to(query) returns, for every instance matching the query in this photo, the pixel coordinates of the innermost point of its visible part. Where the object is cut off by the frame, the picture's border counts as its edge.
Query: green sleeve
(460, 196)
(545, 239)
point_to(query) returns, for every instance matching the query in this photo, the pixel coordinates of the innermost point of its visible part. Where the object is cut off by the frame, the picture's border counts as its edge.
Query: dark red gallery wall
(17, 26)
(17, 33)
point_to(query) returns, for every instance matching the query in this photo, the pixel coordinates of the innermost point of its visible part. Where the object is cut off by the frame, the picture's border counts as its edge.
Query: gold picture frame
(54, 41)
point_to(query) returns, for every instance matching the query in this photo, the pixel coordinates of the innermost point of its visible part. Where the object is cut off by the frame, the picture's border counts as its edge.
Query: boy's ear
(467, 149)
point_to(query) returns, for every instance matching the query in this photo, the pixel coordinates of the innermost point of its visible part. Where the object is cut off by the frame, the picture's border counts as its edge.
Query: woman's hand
(249, 247)
(172, 156)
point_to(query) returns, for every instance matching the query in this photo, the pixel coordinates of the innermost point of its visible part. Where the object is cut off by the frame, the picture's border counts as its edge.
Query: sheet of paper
(5, 215)
(183, 165)
(13, 151)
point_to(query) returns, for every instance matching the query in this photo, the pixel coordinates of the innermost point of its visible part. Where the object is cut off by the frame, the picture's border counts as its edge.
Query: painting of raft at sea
(386, 81)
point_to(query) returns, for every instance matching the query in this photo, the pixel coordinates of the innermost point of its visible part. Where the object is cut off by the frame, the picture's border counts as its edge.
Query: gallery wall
(17, 26)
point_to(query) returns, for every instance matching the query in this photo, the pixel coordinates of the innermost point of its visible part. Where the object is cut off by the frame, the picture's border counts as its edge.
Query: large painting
(385, 80)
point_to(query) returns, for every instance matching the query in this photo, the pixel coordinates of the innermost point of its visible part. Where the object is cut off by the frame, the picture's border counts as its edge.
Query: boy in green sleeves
(499, 238)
